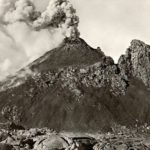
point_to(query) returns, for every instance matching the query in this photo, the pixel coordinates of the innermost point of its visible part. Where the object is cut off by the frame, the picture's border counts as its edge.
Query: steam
(59, 14)
(26, 34)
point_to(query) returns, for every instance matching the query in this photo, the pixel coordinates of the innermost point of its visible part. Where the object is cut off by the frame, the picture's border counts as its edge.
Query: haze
(111, 24)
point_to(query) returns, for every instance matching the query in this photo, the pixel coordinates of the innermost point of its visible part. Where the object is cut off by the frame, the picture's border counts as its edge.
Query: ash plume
(21, 11)
(59, 14)
(27, 34)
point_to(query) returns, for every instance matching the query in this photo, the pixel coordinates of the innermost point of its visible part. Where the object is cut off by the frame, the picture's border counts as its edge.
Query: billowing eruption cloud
(26, 33)
(59, 14)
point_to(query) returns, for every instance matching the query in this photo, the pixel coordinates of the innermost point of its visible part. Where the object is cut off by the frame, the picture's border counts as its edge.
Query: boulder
(50, 143)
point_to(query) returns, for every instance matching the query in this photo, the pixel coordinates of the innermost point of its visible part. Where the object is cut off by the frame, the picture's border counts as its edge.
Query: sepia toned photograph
(74, 74)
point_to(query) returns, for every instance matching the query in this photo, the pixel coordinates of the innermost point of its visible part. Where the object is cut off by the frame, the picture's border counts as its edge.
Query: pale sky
(109, 24)
(112, 24)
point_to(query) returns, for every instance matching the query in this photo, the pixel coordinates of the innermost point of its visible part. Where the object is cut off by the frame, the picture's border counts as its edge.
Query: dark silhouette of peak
(70, 53)
(71, 41)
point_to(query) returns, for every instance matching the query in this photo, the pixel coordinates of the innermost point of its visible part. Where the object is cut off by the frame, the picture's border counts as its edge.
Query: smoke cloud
(59, 14)
(26, 34)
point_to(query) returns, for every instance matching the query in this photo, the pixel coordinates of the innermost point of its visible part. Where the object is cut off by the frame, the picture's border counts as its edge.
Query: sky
(111, 24)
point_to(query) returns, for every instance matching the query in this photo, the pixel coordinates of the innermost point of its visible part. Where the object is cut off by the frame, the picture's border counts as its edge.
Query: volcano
(77, 88)
(70, 53)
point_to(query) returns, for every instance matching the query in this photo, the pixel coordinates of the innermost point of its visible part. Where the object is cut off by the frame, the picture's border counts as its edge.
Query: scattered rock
(123, 139)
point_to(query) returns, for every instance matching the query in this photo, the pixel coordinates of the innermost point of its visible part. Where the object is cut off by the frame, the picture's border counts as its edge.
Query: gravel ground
(121, 138)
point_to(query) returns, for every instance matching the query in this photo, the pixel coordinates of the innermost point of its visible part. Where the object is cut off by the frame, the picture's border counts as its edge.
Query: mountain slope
(78, 88)
(70, 53)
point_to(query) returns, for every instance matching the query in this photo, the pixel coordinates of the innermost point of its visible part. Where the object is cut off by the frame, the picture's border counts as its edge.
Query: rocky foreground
(120, 138)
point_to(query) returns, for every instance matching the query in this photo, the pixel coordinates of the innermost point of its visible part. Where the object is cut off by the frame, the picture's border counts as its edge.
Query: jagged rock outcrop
(77, 88)
(136, 61)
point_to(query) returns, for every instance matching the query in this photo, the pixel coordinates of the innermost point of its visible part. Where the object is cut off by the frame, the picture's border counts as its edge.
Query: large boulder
(51, 143)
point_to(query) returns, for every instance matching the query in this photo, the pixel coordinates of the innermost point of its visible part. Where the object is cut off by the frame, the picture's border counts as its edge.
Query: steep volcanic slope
(70, 53)
(78, 88)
